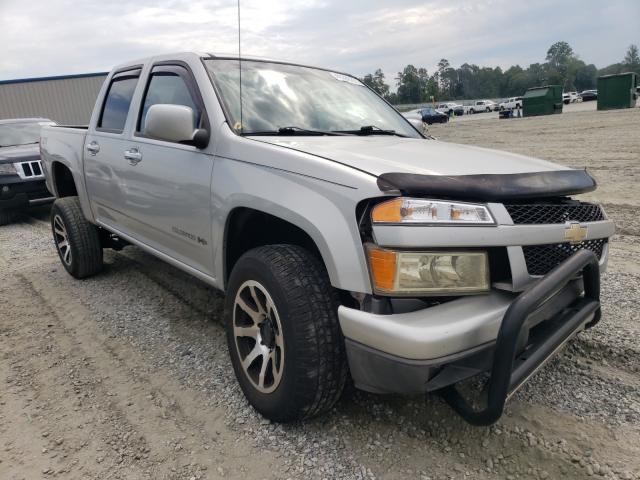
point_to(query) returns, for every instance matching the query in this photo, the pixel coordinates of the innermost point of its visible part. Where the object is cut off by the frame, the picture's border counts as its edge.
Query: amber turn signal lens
(383, 268)
(422, 211)
(388, 212)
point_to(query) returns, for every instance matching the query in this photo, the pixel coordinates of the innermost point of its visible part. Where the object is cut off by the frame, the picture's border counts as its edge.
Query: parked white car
(450, 108)
(480, 106)
(511, 103)
(571, 97)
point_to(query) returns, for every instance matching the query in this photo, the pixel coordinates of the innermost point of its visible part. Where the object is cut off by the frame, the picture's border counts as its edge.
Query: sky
(61, 37)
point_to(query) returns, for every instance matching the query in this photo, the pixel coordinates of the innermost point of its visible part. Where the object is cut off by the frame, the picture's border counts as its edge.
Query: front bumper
(434, 348)
(18, 194)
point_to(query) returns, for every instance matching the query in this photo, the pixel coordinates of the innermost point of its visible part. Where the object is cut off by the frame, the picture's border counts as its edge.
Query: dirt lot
(126, 375)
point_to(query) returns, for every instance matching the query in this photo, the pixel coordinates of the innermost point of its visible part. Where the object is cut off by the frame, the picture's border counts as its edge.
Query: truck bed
(64, 144)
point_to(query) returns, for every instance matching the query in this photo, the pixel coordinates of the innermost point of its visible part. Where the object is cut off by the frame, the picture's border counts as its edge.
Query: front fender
(324, 210)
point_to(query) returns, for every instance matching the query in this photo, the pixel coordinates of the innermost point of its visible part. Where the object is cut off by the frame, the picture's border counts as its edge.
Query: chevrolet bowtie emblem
(575, 233)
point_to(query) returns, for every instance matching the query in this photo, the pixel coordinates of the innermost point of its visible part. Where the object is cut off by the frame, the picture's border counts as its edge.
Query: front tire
(283, 335)
(76, 239)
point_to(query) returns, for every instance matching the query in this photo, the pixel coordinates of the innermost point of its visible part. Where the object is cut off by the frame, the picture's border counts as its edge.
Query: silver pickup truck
(349, 245)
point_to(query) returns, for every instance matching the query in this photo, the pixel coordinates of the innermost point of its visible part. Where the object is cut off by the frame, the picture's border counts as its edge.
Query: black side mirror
(201, 138)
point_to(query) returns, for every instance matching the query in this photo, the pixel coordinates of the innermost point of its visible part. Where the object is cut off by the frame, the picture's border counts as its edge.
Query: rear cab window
(117, 101)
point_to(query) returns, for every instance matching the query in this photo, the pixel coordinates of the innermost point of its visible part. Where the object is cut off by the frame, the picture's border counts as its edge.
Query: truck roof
(184, 56)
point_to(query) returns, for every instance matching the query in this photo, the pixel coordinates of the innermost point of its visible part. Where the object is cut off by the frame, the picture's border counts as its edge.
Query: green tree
(423, 80)
(515, 82)
(409, 85)
(631, 63)
(467, 78)
(377, 83)
(586, 77)
(562, 67)
(632, 59)
(560, 58)
(447, 79)
(559, 54)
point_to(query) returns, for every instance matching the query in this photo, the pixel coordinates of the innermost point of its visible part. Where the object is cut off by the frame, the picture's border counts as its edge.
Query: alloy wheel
(258, 336)
(62, 239)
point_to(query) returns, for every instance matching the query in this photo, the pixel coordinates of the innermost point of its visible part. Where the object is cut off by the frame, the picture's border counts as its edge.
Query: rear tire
(76, 239)
(7, 217)
(283, 334)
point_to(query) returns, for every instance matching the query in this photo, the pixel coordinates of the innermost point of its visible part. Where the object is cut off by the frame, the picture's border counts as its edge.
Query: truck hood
(382, 154)
(19, 153)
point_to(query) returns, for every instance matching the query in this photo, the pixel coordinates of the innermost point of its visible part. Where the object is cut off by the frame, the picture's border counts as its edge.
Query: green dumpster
(617, 91)
(542, 101)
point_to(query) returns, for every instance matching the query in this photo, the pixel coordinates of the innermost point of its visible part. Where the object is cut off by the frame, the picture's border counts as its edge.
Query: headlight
(7, 169)
(416, 211)
(428, 273)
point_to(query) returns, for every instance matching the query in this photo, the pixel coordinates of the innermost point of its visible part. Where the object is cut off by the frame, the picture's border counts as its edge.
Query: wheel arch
(63, 181)
(316, 226)
(247, 228)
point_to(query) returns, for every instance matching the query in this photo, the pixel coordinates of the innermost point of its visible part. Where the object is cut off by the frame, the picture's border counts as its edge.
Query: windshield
(22, 133)
(275, 96)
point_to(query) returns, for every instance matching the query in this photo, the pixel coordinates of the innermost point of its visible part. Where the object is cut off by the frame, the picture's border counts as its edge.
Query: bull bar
(509, 372)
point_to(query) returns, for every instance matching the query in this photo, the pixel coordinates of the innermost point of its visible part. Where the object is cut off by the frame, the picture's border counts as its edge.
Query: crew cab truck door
(105, 143)
(168, 184)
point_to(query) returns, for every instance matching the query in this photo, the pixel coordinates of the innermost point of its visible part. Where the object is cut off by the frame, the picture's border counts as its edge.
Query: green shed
(542, 101)
(617, 91)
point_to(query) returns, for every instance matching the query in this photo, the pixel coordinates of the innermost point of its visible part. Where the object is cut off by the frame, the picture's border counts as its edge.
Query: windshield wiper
(294, 131)
(372, 130)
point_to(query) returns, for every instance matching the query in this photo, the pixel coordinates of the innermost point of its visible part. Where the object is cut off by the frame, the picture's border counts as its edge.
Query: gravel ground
(126, 375)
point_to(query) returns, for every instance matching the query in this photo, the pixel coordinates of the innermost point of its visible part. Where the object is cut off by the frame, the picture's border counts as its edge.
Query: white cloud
(55, 37)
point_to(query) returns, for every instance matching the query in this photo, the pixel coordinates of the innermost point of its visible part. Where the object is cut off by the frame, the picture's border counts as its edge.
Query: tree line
(562, 67)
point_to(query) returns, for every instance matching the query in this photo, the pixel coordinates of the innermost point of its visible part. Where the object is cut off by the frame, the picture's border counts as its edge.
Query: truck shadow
(395, 436)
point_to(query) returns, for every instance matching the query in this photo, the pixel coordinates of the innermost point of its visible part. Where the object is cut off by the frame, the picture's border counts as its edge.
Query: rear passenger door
(104, 146)
(168, 195)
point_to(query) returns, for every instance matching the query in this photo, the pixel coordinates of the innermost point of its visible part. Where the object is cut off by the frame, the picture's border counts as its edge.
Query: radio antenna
(240, 67)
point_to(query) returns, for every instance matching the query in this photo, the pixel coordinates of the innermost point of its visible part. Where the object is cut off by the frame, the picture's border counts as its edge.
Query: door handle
(133, 155)
(93, 147)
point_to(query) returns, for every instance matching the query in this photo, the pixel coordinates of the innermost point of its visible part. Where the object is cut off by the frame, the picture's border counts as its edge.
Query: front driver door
(169, 184)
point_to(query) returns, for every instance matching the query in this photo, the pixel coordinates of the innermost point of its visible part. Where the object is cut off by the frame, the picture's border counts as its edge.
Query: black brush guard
(508, 373)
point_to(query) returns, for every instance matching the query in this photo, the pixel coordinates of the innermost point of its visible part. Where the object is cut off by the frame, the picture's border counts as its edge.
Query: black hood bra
(486, 187)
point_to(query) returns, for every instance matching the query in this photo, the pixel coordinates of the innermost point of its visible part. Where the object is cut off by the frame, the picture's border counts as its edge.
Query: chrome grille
(541, 259)
(31, 169)
(554, 213)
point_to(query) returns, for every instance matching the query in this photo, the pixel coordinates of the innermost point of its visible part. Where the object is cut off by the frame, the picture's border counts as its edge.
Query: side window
(117, 101)
(169, 85)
